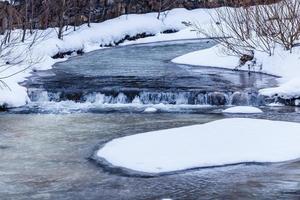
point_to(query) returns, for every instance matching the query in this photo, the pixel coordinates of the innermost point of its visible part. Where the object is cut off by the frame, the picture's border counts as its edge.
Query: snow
(150, 110)
(8, 95)
(222, 142)
(276, 105)
(283, 64)
(243, 110)
(288, 90)
(211, 57)
(89, 39)
(39, 57)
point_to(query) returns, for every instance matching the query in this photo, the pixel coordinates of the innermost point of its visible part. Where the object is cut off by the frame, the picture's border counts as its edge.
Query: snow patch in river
(222, 142)
(243, 110)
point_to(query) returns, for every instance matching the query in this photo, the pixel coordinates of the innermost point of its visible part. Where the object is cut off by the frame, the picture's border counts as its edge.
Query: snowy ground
(283, 64)
(222, 142)
(88, 39)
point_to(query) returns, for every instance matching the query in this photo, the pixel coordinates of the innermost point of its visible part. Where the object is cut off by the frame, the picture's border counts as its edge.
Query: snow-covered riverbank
(283, 64)
(135, 28)
(86, 39)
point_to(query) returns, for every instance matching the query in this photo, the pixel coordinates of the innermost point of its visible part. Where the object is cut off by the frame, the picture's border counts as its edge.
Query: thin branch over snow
(16, 55)
(258, 28)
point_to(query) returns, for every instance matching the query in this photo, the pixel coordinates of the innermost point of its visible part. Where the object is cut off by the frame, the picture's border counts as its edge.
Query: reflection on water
(46, 157)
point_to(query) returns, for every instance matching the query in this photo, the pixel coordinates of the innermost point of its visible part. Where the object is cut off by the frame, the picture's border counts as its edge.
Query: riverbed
(46, 147)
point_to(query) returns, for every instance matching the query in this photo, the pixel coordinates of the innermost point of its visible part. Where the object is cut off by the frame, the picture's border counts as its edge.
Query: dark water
(144, 67)
(45, 153)
(138, 76)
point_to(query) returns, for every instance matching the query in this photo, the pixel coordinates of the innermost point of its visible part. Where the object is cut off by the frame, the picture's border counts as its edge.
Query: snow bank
(287, 90)
(15, 95)
(212, 57)
(222, 142)
(243, 110)
(87, 39)
(282, 63)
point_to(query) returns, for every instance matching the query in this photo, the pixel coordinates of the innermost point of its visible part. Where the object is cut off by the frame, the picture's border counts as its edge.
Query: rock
(217, 98)
(245, 58)
(3, 108)
(239, 98)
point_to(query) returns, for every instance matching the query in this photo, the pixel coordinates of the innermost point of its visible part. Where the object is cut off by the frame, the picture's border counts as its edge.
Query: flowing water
(139, 76)
(46, 146)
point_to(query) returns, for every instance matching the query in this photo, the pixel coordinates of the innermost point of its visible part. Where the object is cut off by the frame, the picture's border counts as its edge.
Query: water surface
(46, 153)
(132, 78)
(47, 157)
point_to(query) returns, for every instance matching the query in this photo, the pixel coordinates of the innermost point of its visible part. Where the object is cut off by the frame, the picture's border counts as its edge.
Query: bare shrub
(257, 28)
(16, 55)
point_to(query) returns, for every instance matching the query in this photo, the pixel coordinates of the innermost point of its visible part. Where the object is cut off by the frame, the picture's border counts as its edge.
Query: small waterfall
(173, 98)
(38, 95)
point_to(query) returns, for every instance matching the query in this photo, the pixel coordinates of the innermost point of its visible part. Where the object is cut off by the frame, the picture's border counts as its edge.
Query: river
(47, 145)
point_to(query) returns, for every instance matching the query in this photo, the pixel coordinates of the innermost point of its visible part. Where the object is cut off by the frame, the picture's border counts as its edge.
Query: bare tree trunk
(32, 17)
(159, 9)
(25, 20)
(90, 13)
(104, 13)
(61, 16)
